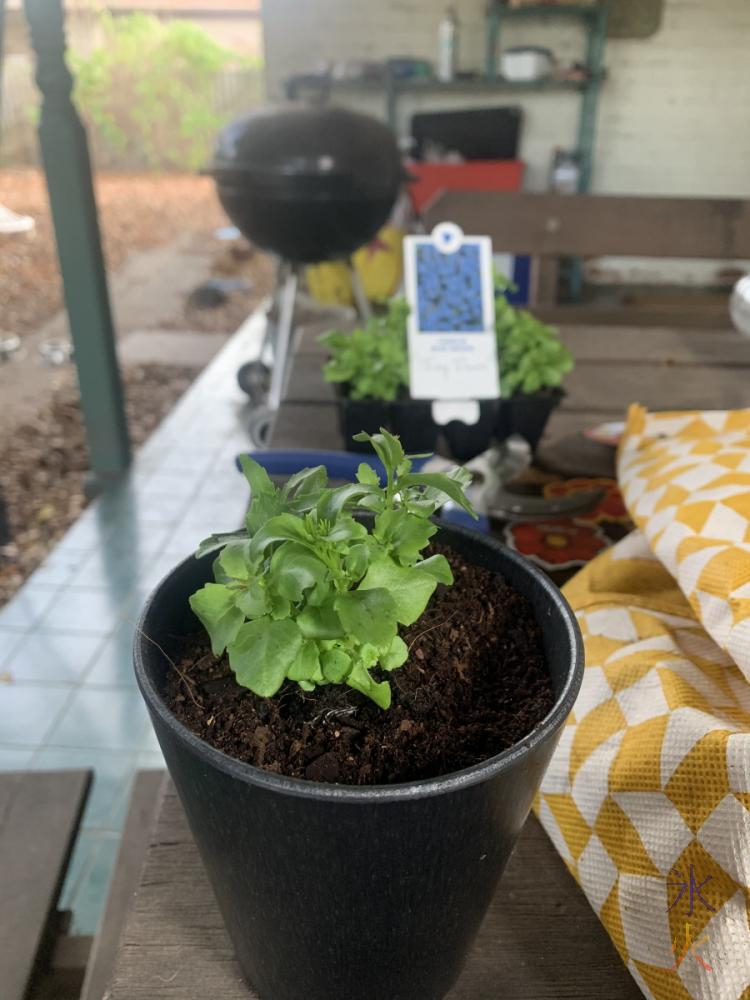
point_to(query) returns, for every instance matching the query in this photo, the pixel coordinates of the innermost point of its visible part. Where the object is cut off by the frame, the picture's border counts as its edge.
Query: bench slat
(596, 225)
(541, 939)
(135, 838)
(40, 813)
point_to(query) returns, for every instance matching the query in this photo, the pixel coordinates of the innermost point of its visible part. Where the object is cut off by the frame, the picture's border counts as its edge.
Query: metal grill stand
(264, 379)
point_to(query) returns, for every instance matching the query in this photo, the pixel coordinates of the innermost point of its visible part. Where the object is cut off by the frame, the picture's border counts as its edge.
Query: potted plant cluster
(533, 363)
(357, 708)
(370, 368)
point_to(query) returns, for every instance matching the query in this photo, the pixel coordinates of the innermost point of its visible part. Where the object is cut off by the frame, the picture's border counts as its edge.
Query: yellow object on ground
(647, 798)
(379, 265)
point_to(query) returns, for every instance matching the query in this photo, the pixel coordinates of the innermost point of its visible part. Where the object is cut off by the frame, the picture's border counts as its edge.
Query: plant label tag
(465, 410)
(451, 325)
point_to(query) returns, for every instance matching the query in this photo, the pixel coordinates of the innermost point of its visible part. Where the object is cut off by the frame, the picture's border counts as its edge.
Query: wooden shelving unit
(594, 20)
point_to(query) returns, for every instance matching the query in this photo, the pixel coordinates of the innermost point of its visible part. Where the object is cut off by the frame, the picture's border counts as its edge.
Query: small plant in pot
(358, 733)
(370, 368)
(533, 363)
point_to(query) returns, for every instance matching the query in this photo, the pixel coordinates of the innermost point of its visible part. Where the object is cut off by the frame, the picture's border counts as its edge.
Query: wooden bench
(40, 814)
(549, 226)
(135, 838)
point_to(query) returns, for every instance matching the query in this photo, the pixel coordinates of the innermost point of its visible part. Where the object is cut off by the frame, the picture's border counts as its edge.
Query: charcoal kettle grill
(308, 184)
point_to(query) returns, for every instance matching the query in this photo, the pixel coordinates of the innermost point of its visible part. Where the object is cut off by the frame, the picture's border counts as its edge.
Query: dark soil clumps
(475, 683)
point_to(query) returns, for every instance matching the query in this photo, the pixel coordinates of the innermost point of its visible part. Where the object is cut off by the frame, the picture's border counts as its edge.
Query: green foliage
(372, 361)
(148, 90)
(531, 355)
(310, 594)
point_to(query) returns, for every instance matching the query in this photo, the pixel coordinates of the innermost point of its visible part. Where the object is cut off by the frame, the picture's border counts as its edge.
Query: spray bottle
(448, 46)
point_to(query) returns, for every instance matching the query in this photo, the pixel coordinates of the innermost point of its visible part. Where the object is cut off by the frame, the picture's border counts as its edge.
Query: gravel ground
(45, 465)
(232, 261)
(43, 462)
(136, 211)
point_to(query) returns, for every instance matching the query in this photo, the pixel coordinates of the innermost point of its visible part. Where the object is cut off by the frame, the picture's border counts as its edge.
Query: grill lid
(313, 148)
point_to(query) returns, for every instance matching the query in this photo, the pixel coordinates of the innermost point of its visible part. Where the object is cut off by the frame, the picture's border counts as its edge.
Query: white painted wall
(675, 110)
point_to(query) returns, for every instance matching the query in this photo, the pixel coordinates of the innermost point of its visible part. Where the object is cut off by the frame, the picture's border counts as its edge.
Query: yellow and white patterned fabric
(647, 798)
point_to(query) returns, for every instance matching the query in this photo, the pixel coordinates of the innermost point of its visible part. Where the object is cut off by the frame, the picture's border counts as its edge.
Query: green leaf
(396, 656)
(320, 623)
(282, 528)
(218, 541)
(369, 615)
(259, 480)
(409, 588)
(404, 533)
(279, 606)
(357, 560)
(442, 483)
(306, 481)
(360, 680)
(215, 606)
(262, 652)
(346, 529)
(294, 569)
(387, 448)
(253, 602)
(438, 567)
(335, 664)
(235, 560)
(262, 509)
(333, 502)
(306, 663)
(367, 475)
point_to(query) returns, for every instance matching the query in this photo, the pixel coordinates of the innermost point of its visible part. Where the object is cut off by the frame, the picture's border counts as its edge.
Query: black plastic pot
(466, 441)
(411, 419)
(331, 891)
(357, 415)
(527, 415)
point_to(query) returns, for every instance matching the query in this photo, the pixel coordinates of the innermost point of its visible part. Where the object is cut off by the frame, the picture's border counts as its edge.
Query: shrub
(148, 91)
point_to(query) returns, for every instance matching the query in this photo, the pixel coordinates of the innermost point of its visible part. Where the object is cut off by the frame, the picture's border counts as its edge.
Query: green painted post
(67, 168)
(596, 40)
(2, 34)
(492, 41)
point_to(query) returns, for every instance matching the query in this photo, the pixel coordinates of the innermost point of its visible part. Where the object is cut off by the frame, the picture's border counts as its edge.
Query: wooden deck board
(540, 941)
(664, 369)
(40, 813)
(136, 835)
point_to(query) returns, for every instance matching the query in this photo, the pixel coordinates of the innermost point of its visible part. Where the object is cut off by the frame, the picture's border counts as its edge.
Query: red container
(475, 175)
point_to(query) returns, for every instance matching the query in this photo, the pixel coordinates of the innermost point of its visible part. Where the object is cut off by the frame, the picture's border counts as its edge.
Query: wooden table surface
(40, 813)
(661, 367)
(540, 940)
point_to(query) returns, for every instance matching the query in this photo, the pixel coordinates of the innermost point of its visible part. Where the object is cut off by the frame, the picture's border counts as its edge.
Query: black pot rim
(369, 794)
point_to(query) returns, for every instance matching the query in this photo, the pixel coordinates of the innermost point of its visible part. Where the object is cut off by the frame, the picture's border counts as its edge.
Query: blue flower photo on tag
(449, 290)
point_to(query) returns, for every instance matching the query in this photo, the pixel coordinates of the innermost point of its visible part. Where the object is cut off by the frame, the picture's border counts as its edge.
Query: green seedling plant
(308, 593)
(372, 361)
(531, 356)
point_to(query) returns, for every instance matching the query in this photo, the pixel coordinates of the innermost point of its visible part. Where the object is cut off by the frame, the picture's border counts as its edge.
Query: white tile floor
(67, 693)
